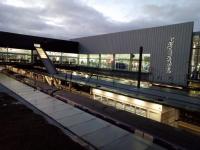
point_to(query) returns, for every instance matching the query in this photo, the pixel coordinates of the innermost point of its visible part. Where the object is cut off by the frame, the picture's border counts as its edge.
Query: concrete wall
(169, 47)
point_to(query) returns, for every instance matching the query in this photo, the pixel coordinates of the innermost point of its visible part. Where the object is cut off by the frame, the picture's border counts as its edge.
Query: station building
(171, 57)
(171, 53)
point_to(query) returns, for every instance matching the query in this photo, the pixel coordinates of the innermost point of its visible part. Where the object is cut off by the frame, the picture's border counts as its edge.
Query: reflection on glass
(94, 60)
(54, 56)
(135, 62)
(122, 61)
(83, 59)
(18, 58)
(15, 55)
(106, 61)
(128, 62)
(145, 62)
(195, 61)
(19, 51)
(3, 50)
(69, 58)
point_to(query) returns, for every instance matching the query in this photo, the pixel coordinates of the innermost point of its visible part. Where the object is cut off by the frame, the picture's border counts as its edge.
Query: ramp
(51, 69)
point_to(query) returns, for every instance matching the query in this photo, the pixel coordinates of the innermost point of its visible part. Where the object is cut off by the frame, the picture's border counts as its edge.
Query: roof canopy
(13, 40)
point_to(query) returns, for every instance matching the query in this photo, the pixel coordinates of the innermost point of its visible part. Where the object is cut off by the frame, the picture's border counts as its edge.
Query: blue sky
(76, 18)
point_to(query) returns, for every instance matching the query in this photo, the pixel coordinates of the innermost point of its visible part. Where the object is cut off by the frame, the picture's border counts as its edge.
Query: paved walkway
(95, 131)
(175, 137)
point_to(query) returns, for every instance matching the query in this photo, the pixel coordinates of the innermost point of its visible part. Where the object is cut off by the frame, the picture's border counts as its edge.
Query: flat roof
(15, 40)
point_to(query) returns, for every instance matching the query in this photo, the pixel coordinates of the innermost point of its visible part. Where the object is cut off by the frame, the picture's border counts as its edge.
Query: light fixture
(37, 45)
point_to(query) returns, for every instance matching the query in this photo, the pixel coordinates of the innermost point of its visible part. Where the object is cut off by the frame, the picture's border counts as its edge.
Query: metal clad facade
(154, 41)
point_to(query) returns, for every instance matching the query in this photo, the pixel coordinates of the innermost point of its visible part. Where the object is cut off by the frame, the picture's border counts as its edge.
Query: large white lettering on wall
(170, 46)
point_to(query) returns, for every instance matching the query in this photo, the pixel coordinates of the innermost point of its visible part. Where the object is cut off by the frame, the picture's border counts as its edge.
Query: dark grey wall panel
(14, 40)
(154, 41)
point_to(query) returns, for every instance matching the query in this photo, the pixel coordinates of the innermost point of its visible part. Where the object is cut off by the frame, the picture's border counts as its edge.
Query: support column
(99, 66)
(113, 63)
(32, 56)
(131, 62)
(88, 63)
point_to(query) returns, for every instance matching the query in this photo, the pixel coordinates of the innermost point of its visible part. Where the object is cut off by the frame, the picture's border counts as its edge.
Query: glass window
(83, 59)
(104, 100)
(106, 61)
(70, 55)
(111, 102)
(130, 108)
(122, 61)
(53, 53)
(141, 112)
(3, 57)
(3, 54)
(3, 49)
(119, 106)
(54, 56)
(97, 97)
(135, 62)
(195, 62)
(94, 60)
(15, 55)
(69, 58)
(19, 58)
(145, 62)
(20, 51)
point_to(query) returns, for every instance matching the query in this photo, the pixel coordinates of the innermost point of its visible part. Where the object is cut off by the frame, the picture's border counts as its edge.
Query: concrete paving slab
(65, 113)
(130, 142)
(54, 109)
(105, 135)
(75, 119)
(89, 126)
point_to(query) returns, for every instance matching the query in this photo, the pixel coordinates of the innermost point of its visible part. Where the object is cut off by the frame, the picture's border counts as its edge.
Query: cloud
(70, 19)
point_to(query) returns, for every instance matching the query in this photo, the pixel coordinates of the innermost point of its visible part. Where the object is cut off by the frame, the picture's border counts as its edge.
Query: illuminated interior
(15, 55)
(195, 61)
(41, 53)
(139, 107)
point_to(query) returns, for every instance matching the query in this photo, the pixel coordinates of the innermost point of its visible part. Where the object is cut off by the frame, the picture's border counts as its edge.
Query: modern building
(171, 53)
(106, 67)
(168, 55)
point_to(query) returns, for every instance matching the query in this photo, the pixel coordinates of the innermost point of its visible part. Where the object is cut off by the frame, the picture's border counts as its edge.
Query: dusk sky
(67, 19)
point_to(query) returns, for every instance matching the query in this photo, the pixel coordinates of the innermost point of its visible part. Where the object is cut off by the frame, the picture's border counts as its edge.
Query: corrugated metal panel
(154, 41)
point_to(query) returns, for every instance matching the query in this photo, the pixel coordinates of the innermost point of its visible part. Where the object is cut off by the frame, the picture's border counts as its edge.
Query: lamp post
(140, 66)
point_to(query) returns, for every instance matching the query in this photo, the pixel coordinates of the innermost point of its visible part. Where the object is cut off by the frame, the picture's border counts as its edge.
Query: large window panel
(3, 57)
(195, 61)
(135, 62)
(3, 50)
(122, 61)
(106, 61)
(69, 58)
(145, 62)
(83, 59)
(94, 60)
(54, 56)
(19, 51)
(15, 55)
(19, 58)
